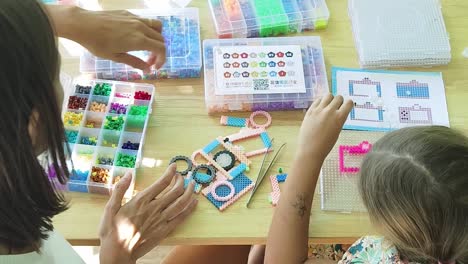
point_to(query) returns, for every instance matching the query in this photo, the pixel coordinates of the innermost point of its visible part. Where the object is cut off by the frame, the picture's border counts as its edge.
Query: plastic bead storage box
(105, 125)
(264, 18)
(181, 31)
(263, 73)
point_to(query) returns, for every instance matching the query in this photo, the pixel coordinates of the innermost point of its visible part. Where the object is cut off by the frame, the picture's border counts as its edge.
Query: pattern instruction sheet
(389, 100)
(259, 70)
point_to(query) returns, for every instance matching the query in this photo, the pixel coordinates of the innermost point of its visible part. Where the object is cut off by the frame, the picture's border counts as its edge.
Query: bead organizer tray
(340, 171)
(105, 126)
(399, 33)
(265, 18)
(263, 73)
(181, 31)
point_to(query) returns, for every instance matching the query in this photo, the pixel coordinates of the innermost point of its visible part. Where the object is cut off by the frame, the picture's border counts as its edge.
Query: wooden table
(180, 124)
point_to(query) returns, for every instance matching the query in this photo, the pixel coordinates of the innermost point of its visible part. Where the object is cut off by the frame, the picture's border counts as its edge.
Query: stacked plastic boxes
(183, 50)
(263, 18)
(253, 79)
(399, 33)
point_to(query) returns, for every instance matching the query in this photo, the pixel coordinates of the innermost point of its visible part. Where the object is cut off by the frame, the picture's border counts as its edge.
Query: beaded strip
(183, 158)
(234, 121)
(275, 194)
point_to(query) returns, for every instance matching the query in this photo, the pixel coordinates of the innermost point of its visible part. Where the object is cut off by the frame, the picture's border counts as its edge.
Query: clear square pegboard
(105, 125)
(181, 31)
(399, 33)
(340, 171)
(266, 18)
(257, 71)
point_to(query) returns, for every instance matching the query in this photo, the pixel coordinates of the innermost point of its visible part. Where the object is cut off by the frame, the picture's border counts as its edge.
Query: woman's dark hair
(29, 69)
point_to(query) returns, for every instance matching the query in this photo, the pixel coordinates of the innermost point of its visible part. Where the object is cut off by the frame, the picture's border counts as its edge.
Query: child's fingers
(346, 108)
(337, 102)
(326, 100)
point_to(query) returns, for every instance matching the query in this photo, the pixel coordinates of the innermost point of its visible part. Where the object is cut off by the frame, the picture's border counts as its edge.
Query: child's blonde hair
(414, 184)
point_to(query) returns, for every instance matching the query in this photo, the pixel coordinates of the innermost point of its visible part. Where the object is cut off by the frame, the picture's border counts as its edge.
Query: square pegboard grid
(339, 191)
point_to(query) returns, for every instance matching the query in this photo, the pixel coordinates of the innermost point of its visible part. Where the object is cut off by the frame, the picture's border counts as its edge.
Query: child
(414, 184)
(30, 107)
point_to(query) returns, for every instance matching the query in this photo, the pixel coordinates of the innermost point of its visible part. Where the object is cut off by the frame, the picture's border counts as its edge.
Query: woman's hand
(322, 125)
(130, 231)
(111, 34)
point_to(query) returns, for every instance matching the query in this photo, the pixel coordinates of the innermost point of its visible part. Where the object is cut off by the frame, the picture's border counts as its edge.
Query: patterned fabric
(372, 250)
(327, 251)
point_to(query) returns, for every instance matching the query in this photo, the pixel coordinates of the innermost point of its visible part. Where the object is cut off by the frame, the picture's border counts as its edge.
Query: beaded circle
(225, 159)
(258, 113)
(204, 178)
(183, 158)
(223, 198)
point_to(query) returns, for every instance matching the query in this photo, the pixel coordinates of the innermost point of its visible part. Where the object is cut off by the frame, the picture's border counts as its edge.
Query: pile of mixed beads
(105, 161)
(71, 136)
(97, 107)
(125, 160)
(99, 175)
(138, 110)
(72, 118)
(142, 95)
(89, 141)
(102, 89)
(82, 89)
(130, 145)
(79, 175)
(116, 108)
(76, 102)
(91, 124)
(114, 122)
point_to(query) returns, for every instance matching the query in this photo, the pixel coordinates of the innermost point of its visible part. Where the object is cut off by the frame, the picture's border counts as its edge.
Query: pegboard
(339, 190)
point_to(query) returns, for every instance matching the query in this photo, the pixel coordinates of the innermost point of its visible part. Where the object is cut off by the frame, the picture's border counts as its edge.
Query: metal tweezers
(260, 178)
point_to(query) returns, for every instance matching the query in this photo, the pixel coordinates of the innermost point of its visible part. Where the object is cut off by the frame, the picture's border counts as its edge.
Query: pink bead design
(257, 113)
(224, 198)
(275, 194)
(361, 149)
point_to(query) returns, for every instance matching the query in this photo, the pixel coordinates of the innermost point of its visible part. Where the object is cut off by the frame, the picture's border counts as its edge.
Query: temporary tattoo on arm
(300, 205)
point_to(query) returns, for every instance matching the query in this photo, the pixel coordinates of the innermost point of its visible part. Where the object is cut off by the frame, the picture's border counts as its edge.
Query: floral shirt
(372, 250)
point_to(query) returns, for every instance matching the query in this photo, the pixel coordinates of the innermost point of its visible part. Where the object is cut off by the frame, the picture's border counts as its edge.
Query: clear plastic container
(399, 33)
(264, 18)
(181, 31)
(95, 150)
(258, 92)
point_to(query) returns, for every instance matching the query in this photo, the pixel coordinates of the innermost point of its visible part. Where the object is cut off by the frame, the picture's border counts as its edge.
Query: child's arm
(288, 237)
(111, 34)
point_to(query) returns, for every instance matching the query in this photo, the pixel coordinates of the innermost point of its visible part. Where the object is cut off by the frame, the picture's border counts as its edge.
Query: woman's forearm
(64, 19)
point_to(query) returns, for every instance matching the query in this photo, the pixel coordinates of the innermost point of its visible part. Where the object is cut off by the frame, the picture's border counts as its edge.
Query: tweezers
(261, 177)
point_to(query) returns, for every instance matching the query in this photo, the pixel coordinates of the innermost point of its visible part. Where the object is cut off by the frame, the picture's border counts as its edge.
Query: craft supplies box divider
(183, 49)
(105, 129)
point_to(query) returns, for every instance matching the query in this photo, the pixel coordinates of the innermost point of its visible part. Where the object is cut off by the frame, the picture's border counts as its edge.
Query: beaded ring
(257, 113)
(183, 158)
(225, 159)
(224, 198)
(204, 178)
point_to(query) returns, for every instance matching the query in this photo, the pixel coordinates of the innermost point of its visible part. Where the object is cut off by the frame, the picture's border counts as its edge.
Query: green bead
(280, 170)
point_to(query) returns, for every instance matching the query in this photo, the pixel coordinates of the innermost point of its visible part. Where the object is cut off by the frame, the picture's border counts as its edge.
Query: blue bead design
(266, 140)
(210, 147)
(281, 177)
(236, 121)
(408, 91)
(240, 183)
(238, 170)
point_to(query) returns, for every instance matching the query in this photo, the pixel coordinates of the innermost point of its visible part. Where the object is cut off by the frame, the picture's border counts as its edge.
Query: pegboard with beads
(339, 177)
(181, 32)
(104, 145)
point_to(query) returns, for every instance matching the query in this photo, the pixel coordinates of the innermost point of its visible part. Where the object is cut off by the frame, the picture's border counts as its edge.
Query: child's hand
(322, 125)
(129, 232)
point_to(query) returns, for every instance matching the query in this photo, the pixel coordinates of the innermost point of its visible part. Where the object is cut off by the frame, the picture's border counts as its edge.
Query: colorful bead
(99, 175)
(125, 160)
(88, 141)
(141, 110)
(76, 102)
(130, 145)
(71, 136)
(82, 89)
(72, 118)
(142, 95)
(102, 89)
(116, 108)
(97, 107)
(114, 122)
(79, 175)
(105, 161)
(280, 170)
